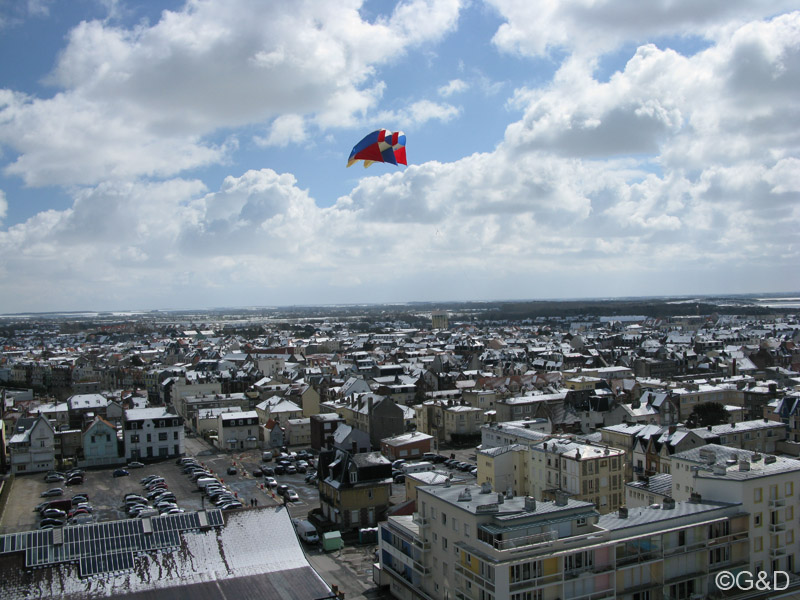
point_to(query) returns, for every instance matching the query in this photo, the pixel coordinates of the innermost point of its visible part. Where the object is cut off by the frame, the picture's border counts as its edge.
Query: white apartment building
(766, 486)
(152, 433)
(470, 543)
(554, 465)
(237, 430)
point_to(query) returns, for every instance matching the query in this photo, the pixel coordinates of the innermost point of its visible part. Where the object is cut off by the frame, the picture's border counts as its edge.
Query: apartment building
(554, 465)
(470, 543)
(766, 486)
(583, 471)
(32, 446)
(152, 433)
(237, 430)
(757, 435)
(526, 431)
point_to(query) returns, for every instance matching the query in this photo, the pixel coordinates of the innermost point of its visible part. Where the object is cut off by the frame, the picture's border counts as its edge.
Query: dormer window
(353, 476)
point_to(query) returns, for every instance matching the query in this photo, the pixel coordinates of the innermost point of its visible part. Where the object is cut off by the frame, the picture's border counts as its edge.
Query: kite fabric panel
(380, 146)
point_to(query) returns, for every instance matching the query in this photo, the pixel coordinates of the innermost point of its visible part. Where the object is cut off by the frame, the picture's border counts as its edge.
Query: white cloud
(419, 112)
(3, 206)
(285, 130)
(209, 67)
(454, 86)
(537, 27)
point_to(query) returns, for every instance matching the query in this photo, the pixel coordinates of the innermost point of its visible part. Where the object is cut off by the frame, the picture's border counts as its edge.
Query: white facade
(152, 433)
(237, 431)
(33, 447)
(768, 487)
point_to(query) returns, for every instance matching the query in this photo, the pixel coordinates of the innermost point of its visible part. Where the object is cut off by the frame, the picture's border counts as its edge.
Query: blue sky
(189, 155)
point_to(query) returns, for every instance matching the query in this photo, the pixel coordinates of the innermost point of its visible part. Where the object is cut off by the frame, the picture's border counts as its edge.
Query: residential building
(766, 486)
(32, 446)
(322, 427)
(409, 446)
(471, 543)
(298, 432)
(237, 430)
(354, 489)
(100, 445)
(152, 433)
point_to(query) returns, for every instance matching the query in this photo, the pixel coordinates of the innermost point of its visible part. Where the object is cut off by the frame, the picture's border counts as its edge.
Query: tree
(708, 414)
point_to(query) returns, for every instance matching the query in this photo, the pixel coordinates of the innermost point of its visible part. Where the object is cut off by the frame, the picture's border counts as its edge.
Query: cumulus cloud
(418, 113)
(665, 178)
(538, 27)
(454, 86)
(155, 91)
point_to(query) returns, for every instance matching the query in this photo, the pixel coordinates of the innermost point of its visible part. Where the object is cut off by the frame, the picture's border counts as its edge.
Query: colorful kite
(380, 146)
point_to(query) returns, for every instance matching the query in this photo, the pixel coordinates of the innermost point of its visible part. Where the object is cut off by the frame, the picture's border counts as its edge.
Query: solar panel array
(105, 547)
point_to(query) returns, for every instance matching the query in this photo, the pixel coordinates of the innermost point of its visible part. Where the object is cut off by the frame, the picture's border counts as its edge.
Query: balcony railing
(642, 557)
(525, 541)
(777, 502)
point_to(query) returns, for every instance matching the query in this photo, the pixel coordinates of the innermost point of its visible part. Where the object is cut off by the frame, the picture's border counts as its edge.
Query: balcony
(777, 502)
(639, 558)
(525, 541)
(777, 527)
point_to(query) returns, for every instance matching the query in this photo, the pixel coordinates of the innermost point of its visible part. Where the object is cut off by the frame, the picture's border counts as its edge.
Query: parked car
(311, 477)
(291, 496)
(54, 477)
(291, 470)
(281, 489)
(52, 492)
(268, 471)
(135, 464)
(280, 470)
(53, 513)
(257, 472)
(401, 478)
(270, 482)
(232, 471)
(398, 463)
(120, 473)
(75, 480)
(231, 505)
(301, 466)
(50, 522)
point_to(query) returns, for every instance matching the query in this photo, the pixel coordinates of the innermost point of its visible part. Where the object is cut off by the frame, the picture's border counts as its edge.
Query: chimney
(530, 503)
(561, 498)
(695, 498)
(744, 465)
(623, 512)
(672, 429)
(668, 504)
(500, 498)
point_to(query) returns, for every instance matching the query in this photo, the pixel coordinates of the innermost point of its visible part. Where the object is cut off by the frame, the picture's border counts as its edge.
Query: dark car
(78, 498)
(50, 522)
(232, 471)
(52, 492)
(75, 480)
(281, 489)
(120, 473)
(280, 470)
(267, 471)
(401, 478)
(257, 472)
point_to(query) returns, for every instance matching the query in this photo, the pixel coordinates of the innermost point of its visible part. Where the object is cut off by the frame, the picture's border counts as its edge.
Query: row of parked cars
(67, 511)
(217, 493)
(71, 477)
(155, 499)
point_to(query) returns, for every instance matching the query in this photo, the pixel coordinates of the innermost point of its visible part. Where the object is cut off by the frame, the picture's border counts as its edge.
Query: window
(162, 437)
(444, 519)
(149, 437)
(789, 489)
(757, 495)
(466, 529)
(444, 543)
(758, 544)
(455, 524)
(757, 520)
(134, 439)
(174, 435)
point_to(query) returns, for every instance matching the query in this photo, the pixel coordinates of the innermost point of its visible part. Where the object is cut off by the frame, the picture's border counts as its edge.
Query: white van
(204, 481)
(306, 531)
(266, 456)
(417, 467)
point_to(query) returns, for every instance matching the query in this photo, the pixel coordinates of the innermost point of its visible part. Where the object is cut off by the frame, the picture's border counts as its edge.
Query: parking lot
(106, 492)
